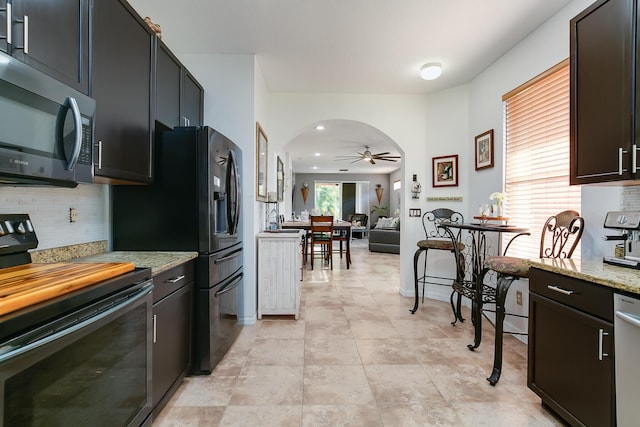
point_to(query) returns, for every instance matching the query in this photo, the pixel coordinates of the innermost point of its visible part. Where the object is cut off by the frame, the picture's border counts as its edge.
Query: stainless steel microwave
(46, 129)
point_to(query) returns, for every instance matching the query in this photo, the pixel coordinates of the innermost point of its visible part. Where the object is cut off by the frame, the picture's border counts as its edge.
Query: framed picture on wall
(484, 150)
(261, 164)
(280, 180)
(445, 171)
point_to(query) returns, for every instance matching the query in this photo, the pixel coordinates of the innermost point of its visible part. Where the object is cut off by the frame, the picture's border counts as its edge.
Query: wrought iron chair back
(561, 234)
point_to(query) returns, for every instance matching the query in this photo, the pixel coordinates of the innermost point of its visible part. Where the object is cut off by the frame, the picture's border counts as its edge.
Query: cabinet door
(192, 100)
(168, 71)
(121, 86)
(602, 64)
(172, 341)
(566, 367)
(58, 38)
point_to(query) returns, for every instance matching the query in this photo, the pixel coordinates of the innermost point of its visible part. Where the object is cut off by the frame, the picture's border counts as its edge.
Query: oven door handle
(21, 349)
(629, 318)
(229, 286)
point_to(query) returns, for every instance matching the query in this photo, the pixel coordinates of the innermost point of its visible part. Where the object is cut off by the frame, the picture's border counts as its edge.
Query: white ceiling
(351, 46)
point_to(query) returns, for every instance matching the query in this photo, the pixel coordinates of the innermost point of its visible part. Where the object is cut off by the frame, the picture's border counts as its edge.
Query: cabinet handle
(77, 122)
(620, 153)
(25, 29)
(99, 154)
(154, 328)
(176, 279)
(634, 167)
(601, 335)
(8, 23)
(557, 289)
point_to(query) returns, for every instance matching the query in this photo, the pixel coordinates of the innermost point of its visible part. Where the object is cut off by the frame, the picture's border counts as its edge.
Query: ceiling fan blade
(387, 160)
(372, 162)
(381, 154)
(356, 161)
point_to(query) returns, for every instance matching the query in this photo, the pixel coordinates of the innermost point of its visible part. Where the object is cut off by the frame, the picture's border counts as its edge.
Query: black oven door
(88, 368)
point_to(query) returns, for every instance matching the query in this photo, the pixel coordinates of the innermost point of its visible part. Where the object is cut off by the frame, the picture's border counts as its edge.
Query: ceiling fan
(368, 156)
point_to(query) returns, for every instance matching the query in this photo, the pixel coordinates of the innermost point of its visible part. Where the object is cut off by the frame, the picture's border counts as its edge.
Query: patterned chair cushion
(517, 267)
(445, 245)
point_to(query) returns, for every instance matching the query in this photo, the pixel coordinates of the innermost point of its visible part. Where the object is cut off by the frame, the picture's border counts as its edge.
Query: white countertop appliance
(629, 223)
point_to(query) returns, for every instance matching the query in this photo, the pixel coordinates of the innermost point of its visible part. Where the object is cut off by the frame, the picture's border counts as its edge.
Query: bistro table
(338, 225)
(473, 287)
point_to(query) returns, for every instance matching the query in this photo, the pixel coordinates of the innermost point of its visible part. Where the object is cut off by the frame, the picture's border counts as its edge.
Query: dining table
(338, 225)
(479, 249)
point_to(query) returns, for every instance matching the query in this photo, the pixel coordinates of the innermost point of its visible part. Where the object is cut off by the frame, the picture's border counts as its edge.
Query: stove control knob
(9, 227)
(29, 225)
(622, 219)
(2, 230)
(21, 228)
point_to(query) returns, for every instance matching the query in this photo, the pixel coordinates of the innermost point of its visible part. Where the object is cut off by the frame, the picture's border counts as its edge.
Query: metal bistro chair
(436, 238)
(322, 234)
(560, 236)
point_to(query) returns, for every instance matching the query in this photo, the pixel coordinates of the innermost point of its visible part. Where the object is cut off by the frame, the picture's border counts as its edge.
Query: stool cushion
(445, 245)
(517, 267)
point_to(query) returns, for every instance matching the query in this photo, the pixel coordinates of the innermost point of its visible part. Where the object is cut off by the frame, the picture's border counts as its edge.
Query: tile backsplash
(49, 207)
(631, 198)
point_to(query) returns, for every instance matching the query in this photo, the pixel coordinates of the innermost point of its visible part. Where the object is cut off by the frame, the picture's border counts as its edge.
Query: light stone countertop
(156, 260)
(593, 270)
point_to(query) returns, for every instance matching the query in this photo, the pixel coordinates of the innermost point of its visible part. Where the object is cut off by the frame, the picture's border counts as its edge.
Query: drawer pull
(601, 335)
(155, 330)
(176, 279)
(557, 289)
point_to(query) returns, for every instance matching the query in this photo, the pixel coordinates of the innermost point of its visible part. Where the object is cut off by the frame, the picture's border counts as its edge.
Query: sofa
(385, 237)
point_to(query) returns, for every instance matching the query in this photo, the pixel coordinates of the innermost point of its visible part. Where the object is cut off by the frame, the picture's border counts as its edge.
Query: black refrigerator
(192, 205)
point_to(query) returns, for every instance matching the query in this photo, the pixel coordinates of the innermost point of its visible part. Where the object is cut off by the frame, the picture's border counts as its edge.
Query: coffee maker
(629, 223)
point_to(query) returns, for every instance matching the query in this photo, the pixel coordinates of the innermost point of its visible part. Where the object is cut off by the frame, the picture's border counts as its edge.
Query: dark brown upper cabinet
(179, 96)
(51, 36)
(122, 87)
(603, 94)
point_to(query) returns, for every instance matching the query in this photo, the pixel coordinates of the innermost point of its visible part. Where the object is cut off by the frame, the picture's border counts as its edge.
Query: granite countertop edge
(593, 270)
(158, 261)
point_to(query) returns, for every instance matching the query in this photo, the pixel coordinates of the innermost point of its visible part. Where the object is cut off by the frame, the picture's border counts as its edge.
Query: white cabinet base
(279, 273)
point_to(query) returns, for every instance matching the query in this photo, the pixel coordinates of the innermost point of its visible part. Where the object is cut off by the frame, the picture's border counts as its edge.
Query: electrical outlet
(519, 297)
(73, 215)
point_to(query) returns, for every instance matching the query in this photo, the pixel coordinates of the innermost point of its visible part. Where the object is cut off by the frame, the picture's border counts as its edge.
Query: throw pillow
(395, 222)
(384, 222)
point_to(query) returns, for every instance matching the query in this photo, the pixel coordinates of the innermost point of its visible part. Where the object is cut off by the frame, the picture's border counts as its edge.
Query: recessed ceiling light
(315, 167)
(319, 127)
(316, 154)
(431, 71)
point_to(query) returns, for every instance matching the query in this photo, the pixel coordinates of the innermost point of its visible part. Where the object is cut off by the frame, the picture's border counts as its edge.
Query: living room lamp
(431, 71)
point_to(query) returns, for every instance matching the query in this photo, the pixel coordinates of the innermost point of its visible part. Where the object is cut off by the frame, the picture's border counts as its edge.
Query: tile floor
(357, 357)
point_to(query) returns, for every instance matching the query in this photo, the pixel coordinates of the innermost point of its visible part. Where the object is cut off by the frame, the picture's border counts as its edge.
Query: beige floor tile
(392, 351)
(330, 385)
(340, 416)
(189, 416)
(327, 329)
(206, 391)
(263, 416)
(401, 385)
(268, 385)
(380, 328)
(418, 415)
(503, 414)
(331, 351)
(276, 352)
(287, 329)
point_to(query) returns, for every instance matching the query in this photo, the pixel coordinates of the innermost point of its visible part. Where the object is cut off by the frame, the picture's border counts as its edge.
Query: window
(328, 198)
(537, 156)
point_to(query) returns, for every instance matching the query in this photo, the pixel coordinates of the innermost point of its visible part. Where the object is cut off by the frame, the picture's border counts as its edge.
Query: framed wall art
(484, 150)
(261, 164)
(280, 180)
(445, 171)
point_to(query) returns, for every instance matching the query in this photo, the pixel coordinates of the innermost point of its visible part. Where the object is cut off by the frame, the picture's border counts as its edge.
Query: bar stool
(560, 236)
(436, 239)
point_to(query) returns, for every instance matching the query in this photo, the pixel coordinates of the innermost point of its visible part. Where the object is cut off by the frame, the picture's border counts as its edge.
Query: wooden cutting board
(25, 285)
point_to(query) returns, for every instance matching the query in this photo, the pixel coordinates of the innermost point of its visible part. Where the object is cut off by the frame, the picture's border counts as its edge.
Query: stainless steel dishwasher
(627, 355)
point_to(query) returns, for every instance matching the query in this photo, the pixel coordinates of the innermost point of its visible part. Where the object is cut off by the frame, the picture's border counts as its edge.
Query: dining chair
(341, 236)
(321, 234)
(436, 239)
(560, 237)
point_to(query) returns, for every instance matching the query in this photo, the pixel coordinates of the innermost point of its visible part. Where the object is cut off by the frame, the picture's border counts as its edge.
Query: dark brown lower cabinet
(172, 314)
(571, 348)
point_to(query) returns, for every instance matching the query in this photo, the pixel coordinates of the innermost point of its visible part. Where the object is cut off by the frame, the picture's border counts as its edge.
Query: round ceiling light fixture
(431, 71)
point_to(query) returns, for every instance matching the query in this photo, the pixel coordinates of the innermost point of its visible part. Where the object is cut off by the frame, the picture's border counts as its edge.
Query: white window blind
(537, 156)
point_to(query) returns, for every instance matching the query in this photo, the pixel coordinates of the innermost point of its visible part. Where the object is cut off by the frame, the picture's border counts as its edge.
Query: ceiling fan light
(431, 71)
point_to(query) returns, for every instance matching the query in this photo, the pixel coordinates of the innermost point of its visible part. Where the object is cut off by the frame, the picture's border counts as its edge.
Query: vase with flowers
(499, 199)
